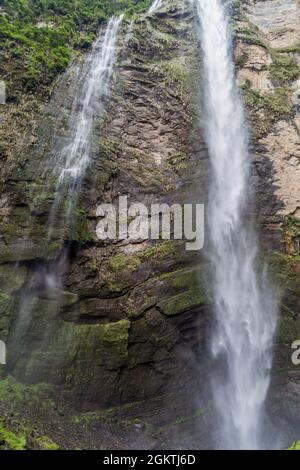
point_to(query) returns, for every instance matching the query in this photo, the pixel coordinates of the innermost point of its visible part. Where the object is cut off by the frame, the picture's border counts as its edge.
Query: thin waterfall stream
(68, 166)
(72, 160)
(245, 306)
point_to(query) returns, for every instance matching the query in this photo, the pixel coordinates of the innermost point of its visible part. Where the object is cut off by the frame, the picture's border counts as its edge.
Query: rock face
(132, 320)
(125, 326)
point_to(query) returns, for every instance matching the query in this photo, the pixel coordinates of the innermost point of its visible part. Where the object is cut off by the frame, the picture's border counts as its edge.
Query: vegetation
(249, 35)
(40, 37)
(284, 69)
(10, 440)
(290, 48)
(291, 229)
(266, 109)
(295, 446)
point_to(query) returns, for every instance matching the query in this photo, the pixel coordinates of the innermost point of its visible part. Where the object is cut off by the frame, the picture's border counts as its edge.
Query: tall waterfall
(245, 309)
(68, 165)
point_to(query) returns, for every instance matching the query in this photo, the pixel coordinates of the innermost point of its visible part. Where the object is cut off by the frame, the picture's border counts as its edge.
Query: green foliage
(249, 35)
(291, 230)
(241, 60)
(295, 446)
(284, 69)
(266, 109)
(290, 48)
(39, 38)
(11, 440)
(45, 443)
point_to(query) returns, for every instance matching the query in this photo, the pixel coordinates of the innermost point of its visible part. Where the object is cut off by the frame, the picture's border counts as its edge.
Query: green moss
(150, 39)
(159, 251)
(110, 145)
(38, 195)
(74, 351)
(295, 446)
(174, 77)
(81, 231)
(122, 261)
(249, 35)
(241, 60)
(266, 109)
(12, 278)
(285, 270)
(12, 441)
(174, 288)
(293, 48)
(291, 230)
(45, 443)
(184, 301)
(284, 69)
(12, 391)
(6, 303)
(288, 329)
(118, 273)
(39, 39)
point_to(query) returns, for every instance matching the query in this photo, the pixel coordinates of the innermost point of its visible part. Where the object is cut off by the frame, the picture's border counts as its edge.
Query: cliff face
(131, 323)
(125, 327)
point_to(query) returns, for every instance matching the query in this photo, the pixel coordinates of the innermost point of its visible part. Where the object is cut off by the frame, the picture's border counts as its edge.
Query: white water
(155, 6)
(73, 159)
(70, 162)
(245, 309)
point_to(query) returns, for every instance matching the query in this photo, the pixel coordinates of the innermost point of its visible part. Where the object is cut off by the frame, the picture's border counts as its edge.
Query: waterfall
(244, 305)
(155, 6)
(72, 160)
(68, 166)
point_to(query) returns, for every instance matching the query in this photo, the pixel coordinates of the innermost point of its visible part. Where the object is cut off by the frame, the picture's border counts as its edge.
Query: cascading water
(155, 6)
(244, 304)
(68, 166)
(73, 158)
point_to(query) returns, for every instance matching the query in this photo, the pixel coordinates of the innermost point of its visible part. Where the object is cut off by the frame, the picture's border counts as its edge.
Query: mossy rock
(31, 247)
(267, 109)
(39, 40)
(45, 443)
(183, 302)
(11, 440)
(20, 395)
(174, 75)
(76, 350)
(12, 278)
(295, 446)
(291, 230)
(284, 69)
(285, 270)
(292, 48)
(249, 34)
(123, 271)
(172, 293)
(288, 329)
(6, 304)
